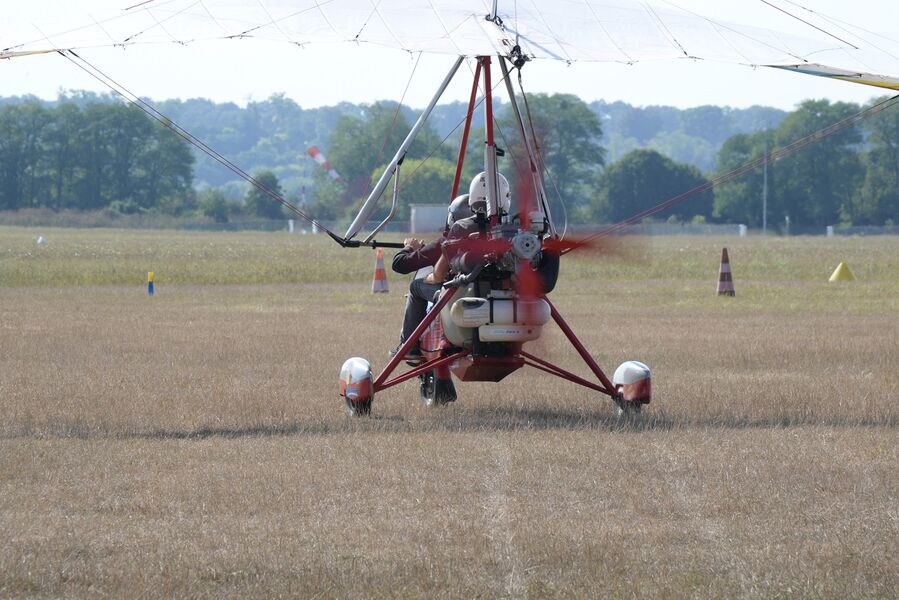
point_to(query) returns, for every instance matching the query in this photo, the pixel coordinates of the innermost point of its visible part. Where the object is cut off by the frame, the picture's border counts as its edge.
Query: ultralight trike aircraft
(497, 301)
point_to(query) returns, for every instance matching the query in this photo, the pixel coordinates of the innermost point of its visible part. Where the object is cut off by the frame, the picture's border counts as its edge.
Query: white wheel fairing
(355, 380)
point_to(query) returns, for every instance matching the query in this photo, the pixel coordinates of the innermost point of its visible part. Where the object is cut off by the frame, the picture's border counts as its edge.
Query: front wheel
(358, 409)
(435, 391)
(627, 410)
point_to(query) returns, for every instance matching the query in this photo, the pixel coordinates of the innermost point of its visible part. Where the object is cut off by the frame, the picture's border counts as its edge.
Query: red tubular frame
(579, 347)
(382, 383)
(422, 368)
(552, 369)
(411, 341)
(466, 131)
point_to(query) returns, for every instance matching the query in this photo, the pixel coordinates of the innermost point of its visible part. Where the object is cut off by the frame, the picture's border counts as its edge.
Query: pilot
(463, 228)
(548, 263)
(417, 255)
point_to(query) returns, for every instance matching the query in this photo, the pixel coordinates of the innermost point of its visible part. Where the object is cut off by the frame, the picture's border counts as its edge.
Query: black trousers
(420, 293)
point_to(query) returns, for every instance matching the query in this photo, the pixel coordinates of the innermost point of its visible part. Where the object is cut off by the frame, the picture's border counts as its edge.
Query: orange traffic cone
(379, 284)
(725, 281)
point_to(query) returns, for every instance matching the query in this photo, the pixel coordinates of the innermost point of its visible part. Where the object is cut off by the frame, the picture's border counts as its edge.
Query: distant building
(427, 218)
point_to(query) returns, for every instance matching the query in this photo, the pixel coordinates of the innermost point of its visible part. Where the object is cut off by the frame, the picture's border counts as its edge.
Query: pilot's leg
(412, 315)
(420, 293)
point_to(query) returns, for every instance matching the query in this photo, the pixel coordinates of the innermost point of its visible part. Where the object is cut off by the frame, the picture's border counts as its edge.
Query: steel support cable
(452, 131)
(537, 149)
(396, 115)
(812, 25)
(767, 158)
(168, 123)
(854, 31)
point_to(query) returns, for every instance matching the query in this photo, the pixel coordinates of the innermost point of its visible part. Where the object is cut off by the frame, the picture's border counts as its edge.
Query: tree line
(850, 177)
(101, 155)
(89, 153)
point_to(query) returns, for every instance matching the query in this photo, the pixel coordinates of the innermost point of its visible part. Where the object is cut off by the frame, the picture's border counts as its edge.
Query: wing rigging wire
(725, 27)
(448, 35)
(555, 38)
(139, 4)
(165, 121)
(396, 114)
(539, 157)
(628, 59)
(159, 24)
(273, 21)
(664, 28)
(766, 158)
(168, 123)
(214, 20)
(842, 25)
(103, 29)
(434, 150)
(812, 25)
(374, 9)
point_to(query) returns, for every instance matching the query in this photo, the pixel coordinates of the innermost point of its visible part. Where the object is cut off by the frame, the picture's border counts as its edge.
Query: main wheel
(435, 391)
(358, 409)
(625, 410)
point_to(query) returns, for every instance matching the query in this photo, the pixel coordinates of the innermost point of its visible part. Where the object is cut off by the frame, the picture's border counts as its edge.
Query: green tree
(260, 203)
(212, 204)
(92, 188)
(63, 152)
(163, 171)
(567, 133)
(644, 178)
(877, 201)
(24, 178)
(817, 183)
(359, 147)
(740, 200)
(127, 130)
(814, 186)
(421, 182)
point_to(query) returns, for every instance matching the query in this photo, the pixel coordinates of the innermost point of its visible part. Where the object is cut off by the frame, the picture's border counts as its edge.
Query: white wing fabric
(567, 30)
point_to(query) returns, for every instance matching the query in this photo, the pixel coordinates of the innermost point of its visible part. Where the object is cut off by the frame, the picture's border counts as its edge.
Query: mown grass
(193, 444)
(122, 257)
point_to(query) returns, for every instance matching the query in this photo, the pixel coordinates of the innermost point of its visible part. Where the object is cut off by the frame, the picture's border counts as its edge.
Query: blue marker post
(150, 283)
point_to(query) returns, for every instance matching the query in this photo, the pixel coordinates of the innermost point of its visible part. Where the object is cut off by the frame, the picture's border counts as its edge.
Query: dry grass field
(192, 444)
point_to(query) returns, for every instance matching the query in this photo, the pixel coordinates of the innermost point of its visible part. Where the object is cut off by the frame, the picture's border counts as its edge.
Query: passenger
(415, 256)
(463, 228)
(548, 265)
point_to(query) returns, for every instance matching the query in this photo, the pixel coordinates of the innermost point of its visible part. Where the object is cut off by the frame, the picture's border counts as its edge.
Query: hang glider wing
(626, 31)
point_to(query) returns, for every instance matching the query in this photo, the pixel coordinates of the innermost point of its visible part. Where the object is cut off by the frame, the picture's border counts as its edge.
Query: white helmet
(477, 193)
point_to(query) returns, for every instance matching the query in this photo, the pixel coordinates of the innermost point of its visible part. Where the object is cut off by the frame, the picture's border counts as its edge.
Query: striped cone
(379, 283)
(725, 281)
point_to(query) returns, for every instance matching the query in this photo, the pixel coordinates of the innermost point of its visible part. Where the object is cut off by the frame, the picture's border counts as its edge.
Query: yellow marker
(842, 273)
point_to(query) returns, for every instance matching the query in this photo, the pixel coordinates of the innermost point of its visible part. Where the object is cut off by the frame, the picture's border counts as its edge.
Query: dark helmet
(458, 209)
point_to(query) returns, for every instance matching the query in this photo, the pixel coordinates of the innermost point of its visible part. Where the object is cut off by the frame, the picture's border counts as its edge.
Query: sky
(241, 71)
